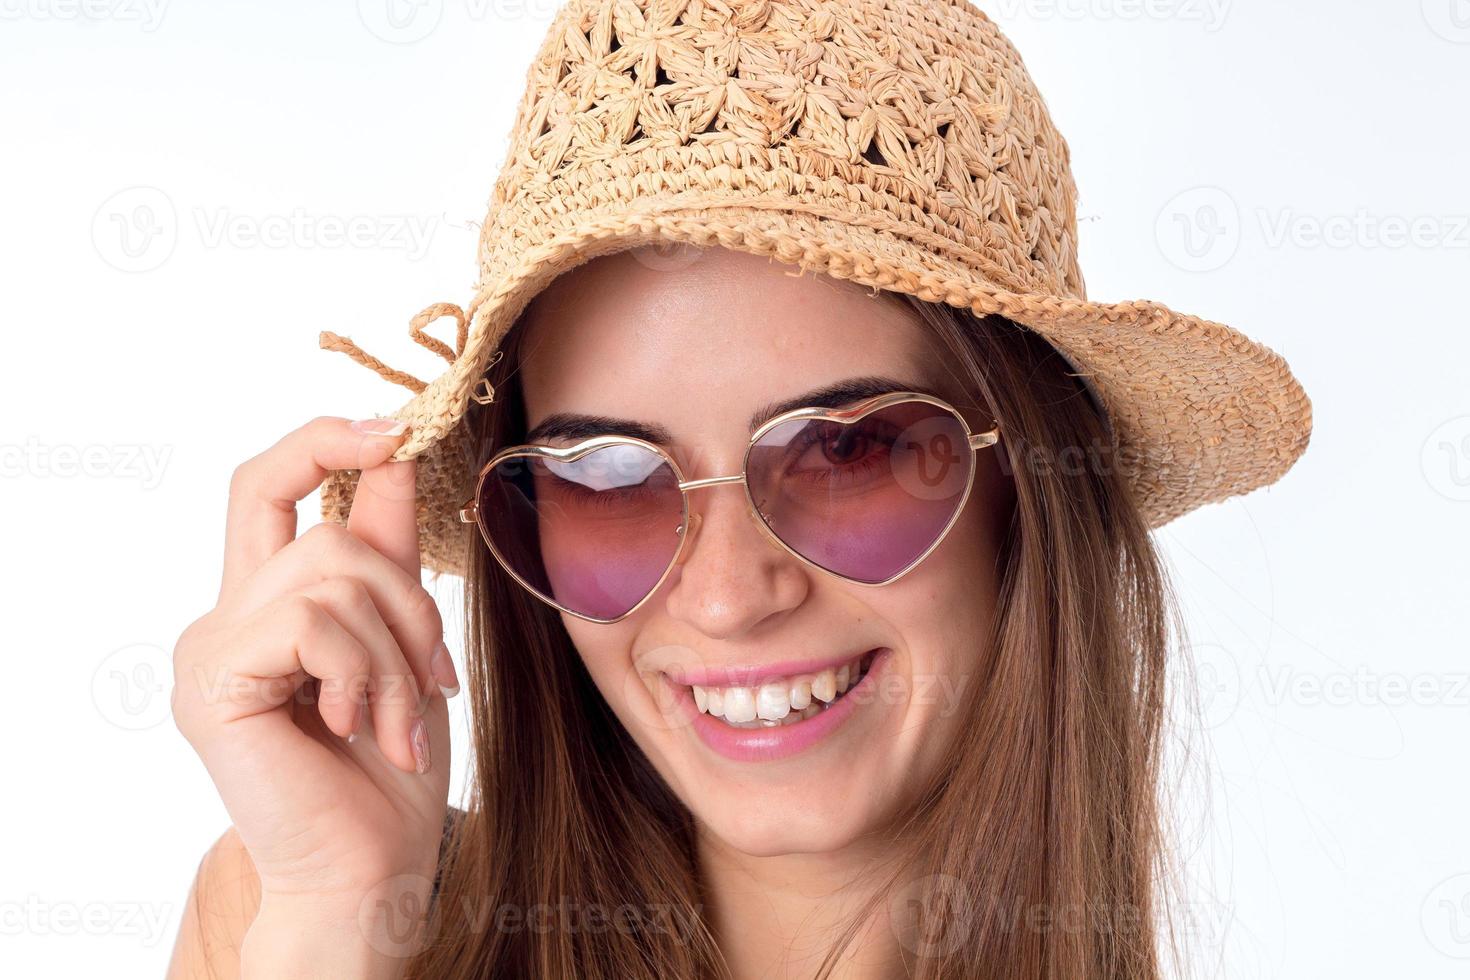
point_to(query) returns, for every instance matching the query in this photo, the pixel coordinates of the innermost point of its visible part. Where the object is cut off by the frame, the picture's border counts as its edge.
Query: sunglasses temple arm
(982, 439)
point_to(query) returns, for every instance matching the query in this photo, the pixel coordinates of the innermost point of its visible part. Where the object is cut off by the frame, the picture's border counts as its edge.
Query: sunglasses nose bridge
(696, 519)
(711, 481)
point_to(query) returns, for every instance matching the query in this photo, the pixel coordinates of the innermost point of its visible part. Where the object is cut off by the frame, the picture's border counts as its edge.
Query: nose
(731, 578)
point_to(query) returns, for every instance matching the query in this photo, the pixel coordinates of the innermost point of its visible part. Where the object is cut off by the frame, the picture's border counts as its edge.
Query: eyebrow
(576, 426)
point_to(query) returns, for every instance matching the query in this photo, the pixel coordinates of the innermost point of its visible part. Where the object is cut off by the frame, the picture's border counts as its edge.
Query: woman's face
(694, 344)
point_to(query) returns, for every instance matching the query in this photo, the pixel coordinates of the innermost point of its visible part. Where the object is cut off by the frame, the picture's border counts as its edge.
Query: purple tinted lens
(863, 499)
(594, 535)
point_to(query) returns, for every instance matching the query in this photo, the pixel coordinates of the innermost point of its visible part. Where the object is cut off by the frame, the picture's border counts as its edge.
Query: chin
(829, 815)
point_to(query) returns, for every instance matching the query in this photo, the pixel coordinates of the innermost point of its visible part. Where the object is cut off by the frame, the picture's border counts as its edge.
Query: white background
(1294, 169)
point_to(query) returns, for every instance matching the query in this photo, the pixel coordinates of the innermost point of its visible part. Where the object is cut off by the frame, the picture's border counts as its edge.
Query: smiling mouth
(783, 701)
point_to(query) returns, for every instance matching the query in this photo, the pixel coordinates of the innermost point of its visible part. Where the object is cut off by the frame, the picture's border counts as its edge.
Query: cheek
(604, 652)
(959, 580)
(943, 613)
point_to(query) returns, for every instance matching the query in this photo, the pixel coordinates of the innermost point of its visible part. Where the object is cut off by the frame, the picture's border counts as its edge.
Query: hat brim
(1201, 412)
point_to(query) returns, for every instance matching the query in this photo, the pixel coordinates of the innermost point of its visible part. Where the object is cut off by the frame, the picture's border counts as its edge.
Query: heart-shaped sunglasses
(864, 492)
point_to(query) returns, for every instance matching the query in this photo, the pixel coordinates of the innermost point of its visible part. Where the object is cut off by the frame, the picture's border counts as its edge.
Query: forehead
(696, 345)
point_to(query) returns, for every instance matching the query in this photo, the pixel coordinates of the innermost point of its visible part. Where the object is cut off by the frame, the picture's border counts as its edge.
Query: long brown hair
(1033, 855)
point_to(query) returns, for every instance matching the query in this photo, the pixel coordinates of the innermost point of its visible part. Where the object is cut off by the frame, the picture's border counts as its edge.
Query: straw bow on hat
(899, 144)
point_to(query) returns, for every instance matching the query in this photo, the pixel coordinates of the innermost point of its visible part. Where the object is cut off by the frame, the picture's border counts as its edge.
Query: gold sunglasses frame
(470, 512)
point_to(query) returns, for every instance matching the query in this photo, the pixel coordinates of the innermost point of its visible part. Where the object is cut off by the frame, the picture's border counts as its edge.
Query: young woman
(814, 629)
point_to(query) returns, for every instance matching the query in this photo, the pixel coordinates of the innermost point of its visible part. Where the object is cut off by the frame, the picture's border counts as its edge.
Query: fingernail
(380, 427)
(441, 665)
(418, 737)
(357, 713)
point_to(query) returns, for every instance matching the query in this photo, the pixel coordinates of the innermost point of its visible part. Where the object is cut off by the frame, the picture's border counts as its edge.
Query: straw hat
(898, 144)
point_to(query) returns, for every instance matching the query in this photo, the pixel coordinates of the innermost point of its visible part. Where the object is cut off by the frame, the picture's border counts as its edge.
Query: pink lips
(778, 742)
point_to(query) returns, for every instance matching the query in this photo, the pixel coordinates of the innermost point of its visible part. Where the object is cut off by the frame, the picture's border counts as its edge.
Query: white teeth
(824, 686)
(739, 704)
(772, 702)
(783, 702)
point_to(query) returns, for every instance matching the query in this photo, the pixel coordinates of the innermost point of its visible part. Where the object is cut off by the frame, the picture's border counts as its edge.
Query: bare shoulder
(221, 906)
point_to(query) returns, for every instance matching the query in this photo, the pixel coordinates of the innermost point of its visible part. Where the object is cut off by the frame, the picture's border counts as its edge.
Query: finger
(331, 551)
(383, 512)
(261, 518)
(273, 654)
(394, 699)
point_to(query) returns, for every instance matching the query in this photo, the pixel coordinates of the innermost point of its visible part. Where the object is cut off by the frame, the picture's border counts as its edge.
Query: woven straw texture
(899, 144)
